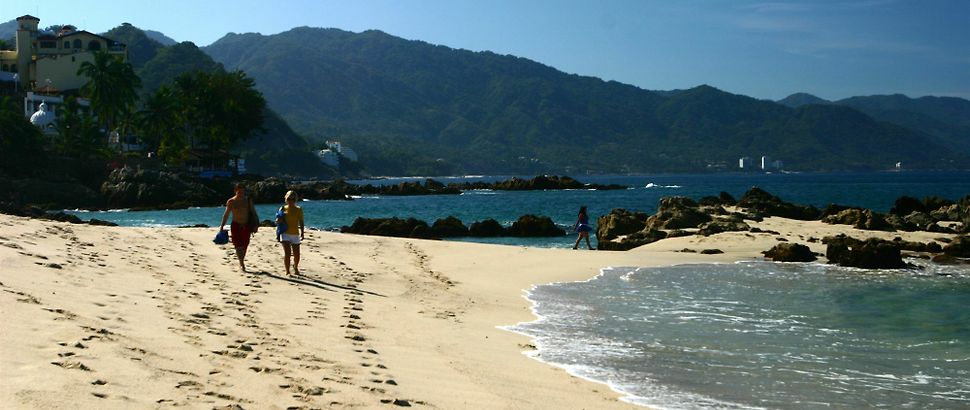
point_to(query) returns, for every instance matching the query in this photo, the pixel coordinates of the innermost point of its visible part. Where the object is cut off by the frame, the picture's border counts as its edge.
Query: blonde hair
(290, 194)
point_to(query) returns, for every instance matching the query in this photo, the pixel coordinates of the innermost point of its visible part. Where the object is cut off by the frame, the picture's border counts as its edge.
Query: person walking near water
(243, 213)
(582, 227)
(293, 215)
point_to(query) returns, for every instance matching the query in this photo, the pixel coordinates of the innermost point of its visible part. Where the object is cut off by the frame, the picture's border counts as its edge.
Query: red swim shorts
(240, 235)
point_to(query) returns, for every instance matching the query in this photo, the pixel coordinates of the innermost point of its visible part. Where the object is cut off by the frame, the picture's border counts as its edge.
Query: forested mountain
(412, 107)
(947, 118)
(799, 99)
(275, 150)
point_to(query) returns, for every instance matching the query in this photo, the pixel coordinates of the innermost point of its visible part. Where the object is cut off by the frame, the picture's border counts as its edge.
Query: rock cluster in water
(451, 227)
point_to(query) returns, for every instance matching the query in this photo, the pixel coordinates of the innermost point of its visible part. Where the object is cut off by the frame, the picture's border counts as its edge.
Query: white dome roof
(42, 117)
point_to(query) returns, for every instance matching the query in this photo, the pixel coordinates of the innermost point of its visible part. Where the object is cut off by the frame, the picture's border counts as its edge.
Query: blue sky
(765, 49)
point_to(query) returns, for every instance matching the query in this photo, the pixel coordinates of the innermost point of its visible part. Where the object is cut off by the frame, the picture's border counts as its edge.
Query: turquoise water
(764, 335)
(871, 190)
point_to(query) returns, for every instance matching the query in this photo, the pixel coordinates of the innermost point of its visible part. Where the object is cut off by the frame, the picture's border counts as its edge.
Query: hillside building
(329, 158)
(47, 62)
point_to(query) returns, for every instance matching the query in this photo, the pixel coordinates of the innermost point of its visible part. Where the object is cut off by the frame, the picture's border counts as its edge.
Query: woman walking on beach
(243, 213)
(582, 227)
(293, 215)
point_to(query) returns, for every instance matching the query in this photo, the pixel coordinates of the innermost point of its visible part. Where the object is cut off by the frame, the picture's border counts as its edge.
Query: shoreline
(166, 319)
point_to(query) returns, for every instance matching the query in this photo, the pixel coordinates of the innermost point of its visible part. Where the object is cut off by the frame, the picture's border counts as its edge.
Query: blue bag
(281, 226)
(221, 238)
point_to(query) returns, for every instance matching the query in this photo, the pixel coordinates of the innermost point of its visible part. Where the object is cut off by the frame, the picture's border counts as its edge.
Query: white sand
(96, 317)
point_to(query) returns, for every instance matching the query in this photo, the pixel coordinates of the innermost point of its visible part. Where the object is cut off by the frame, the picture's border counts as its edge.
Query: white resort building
(331, 155)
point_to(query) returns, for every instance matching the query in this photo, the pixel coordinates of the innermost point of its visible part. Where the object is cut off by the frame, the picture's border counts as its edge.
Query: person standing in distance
(291, 239)
(582, 227)
(242, 209)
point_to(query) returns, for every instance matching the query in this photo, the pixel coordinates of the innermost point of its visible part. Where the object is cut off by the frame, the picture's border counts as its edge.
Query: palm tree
(160, 119)
(112, 87)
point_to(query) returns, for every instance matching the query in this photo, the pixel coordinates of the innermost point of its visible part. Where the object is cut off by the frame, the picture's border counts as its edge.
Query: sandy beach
(112, 317)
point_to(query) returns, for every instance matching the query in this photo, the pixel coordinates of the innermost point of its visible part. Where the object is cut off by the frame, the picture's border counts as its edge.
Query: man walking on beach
(242, 209)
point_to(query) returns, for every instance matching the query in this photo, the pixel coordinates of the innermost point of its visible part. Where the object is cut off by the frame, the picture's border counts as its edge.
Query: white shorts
(292, 239)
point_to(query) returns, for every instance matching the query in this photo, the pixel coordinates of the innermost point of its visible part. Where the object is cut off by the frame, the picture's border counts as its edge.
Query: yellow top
(294, 218)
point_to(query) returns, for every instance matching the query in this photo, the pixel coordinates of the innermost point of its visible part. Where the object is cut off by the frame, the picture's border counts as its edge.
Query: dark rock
(676, 233)
(267, 191)
(906, 205)
(899, 223)
(397, 227)
(932, 203)
(194, 226)
(860, 219)
(959, 247)
(835, 209)
(790, 252)
(711, 251)
(421, 231)
(921, 220)
(486, 229)
(138, 188)
(676, 213)
(869, 254)
(945, 259)
(61, 217)
(619, 222)
(714, 227)
(687, 250)
(759, 200)
(99, 222)
(266, 223)
(534, 226)
(539, 183)
(727, 199)
(449, 227)
(631, 241)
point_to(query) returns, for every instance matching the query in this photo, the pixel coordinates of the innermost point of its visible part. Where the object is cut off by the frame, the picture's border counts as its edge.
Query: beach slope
(112, 317)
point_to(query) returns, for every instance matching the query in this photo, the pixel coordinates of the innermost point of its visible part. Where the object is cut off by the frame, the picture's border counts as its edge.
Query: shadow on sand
(317, 283)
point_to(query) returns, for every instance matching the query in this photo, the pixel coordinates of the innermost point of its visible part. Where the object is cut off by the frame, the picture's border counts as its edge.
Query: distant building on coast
(766, 164)
(746, 163)
(331, 155)
(45, 61)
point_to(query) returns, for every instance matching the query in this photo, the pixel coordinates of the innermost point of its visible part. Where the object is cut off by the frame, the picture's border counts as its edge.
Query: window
(77, 43)
(94, 45)
(67, 44)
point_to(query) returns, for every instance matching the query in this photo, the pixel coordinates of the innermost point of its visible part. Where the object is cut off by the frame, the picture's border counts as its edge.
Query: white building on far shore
(746, 163)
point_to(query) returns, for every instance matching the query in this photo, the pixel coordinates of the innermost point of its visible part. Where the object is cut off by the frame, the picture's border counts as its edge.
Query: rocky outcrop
(403, 228)
(486, 229)
(148, 189)
(539, 183)
(267, 191)
(677, 213)
(790, 252)
(860, 219)
(449, 227)
(631, 241)
(869, 254)
(534, 226)
(761, 201)
(958, 247)
(619, 222)
(723, 225)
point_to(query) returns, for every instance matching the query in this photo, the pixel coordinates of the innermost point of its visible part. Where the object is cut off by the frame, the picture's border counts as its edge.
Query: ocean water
(872, 190)
(763, 335)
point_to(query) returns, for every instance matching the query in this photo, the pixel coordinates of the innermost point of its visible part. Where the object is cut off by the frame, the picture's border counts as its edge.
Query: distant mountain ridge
(947, 118)
(412, 107)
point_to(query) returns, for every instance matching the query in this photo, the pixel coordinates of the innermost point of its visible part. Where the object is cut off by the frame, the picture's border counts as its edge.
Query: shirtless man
(239, 205)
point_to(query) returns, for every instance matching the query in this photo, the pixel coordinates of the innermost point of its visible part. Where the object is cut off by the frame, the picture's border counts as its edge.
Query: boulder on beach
(790, 252)
(958, 247)
(534, 226)
(398, 227)
(760, 200)
(486, 229)
(869, 254)
(860, 219)
(619, 222)
(677, 212)
(631, 241)
(722, 225)
(449, 227)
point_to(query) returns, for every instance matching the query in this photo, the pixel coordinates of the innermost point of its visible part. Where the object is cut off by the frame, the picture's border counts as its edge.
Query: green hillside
(412, 107)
